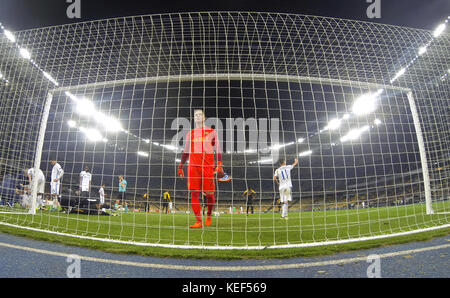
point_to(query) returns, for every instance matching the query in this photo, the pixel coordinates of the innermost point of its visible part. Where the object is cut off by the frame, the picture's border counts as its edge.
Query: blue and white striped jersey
(284, 176)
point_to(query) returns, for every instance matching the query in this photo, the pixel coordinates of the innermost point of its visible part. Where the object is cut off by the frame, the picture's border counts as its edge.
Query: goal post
(38, 155)
(423, 154)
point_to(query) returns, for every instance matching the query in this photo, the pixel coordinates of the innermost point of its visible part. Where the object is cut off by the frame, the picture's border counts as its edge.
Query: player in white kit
(85, 189)
(40, 184)
(101, 206)
(85, 182)
(101, 193)
(282, 177)
(55, 184)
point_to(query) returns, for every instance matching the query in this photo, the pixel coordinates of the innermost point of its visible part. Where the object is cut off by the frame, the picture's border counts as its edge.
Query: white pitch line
(226, 268)
(311, 244)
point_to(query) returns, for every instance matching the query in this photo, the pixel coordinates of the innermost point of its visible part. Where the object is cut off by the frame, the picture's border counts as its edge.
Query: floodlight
(170, 147)
(364, 128)
(71, 96)
(438, 31)
(72, 123)
(50, 78)
(145, 154)
(10, 36)
(365, 104)
(265, 161)
(276, 147)
(354, 134)
(109, 123)
(351, 135)
(25, 53)
(85, 107)
(422, 50)
(334, 124)
(306, 153)
(399, 74)
(92, 135)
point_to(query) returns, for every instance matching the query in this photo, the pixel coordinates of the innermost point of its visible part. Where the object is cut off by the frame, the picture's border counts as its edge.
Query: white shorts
(54, 188)
(26, 201)
(285, 195)
(40, 186)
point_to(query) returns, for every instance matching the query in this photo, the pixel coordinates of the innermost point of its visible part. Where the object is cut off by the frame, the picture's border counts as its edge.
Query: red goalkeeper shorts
(200, 178)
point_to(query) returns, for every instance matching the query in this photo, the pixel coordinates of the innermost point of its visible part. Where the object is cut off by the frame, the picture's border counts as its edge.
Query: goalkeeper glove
(180, 171)
(219, 170)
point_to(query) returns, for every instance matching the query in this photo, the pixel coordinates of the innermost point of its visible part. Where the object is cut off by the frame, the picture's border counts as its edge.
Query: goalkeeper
(201, 144)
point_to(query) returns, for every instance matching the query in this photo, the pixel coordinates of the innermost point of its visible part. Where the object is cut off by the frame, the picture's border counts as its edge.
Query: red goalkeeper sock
(195, 203)
(210, 200)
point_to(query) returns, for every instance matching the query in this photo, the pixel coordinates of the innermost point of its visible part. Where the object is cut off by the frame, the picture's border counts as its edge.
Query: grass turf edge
(175, 253)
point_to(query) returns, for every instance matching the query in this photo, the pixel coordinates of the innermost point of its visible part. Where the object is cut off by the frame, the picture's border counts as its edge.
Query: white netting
(364, 113)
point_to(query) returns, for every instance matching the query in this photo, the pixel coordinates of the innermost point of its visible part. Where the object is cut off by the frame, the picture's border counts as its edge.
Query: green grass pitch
(259, 229)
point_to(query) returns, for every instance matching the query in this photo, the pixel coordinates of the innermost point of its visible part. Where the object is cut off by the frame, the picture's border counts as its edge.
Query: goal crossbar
(234, 77)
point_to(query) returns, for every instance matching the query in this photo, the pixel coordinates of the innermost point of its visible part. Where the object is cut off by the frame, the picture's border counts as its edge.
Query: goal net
(105, 109)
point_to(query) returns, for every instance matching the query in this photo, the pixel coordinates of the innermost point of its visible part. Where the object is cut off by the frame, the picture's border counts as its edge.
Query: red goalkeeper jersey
(201, 143)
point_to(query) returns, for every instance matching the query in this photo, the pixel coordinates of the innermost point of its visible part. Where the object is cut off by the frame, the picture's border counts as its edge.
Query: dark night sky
(27, 14)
